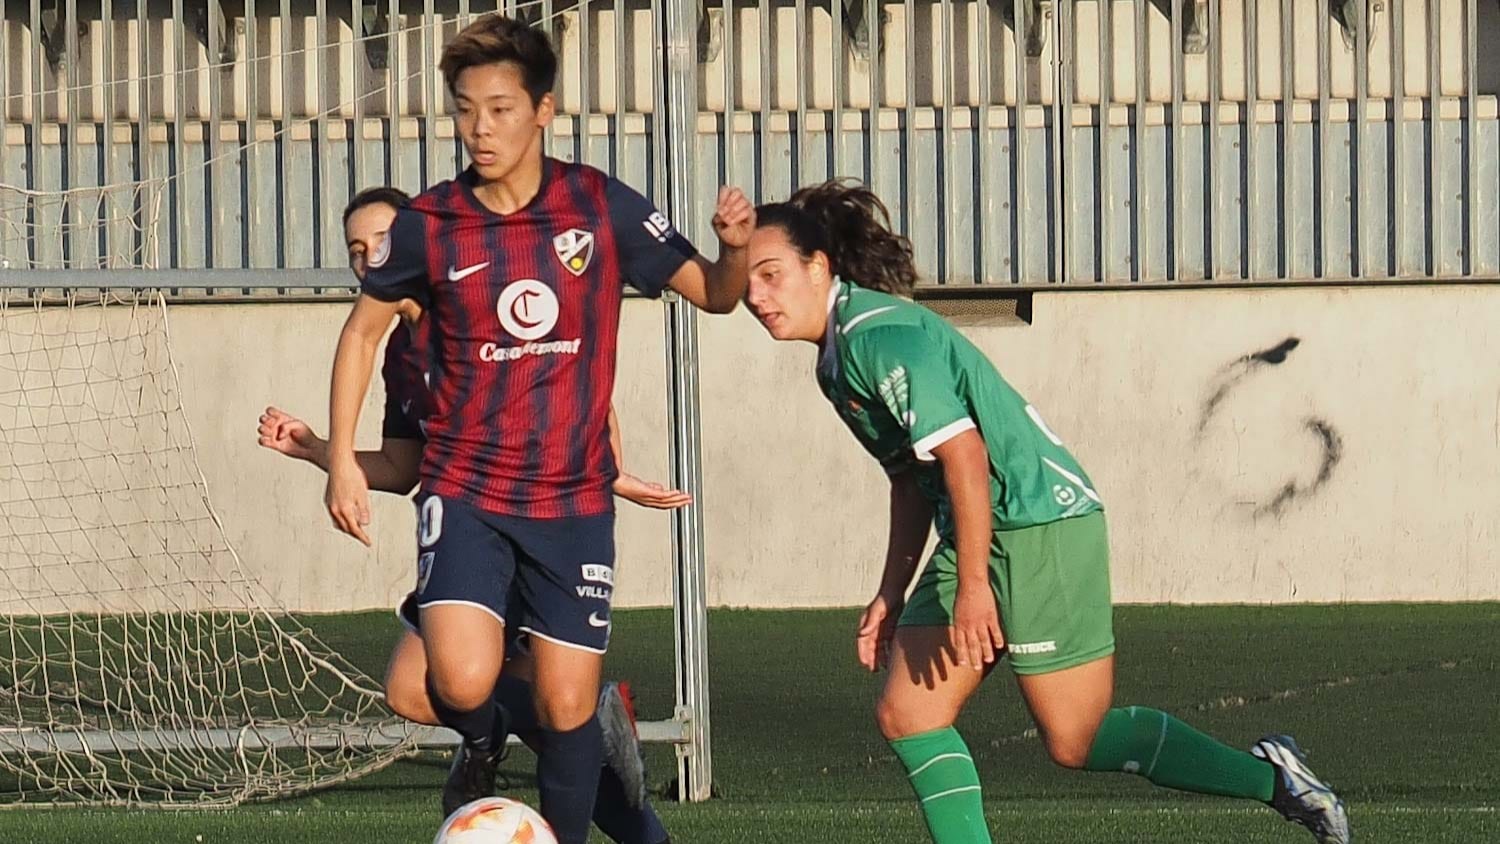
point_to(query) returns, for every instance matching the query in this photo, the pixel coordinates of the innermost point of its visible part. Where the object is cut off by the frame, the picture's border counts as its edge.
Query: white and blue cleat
(1299, 795)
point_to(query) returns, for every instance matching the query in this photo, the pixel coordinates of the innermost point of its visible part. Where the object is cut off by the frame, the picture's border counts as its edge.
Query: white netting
(139, 662)
(103, 227)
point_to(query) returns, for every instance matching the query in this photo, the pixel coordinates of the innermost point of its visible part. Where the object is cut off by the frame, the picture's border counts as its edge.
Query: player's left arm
(900, 367)
(719, 286)
(655, 256)
(635, 490)
(976, 619)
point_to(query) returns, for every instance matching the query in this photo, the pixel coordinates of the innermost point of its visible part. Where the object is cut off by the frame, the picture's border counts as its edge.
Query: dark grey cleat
(1299, 795)
(471, 777)
(622, 744)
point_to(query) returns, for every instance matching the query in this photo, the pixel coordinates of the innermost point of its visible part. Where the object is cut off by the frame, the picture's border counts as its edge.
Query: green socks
(942, 773)
(1169, 753)
(1134, 739)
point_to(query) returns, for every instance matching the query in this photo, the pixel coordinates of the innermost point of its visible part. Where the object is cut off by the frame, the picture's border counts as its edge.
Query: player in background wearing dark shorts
(623, 811)
(519, 264)
(1022, 561)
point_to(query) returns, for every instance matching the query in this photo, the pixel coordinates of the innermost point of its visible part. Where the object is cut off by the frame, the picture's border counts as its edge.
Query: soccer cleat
(622, 745)
(1299, 795)
(471, 777)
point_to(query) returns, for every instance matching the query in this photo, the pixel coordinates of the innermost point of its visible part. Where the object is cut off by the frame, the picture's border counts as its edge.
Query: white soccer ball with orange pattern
(495, 820)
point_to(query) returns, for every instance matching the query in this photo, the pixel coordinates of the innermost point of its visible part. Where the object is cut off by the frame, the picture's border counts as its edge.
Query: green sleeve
(901, 368)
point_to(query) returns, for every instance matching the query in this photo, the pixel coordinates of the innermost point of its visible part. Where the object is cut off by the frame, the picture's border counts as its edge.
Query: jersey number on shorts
(430, 521)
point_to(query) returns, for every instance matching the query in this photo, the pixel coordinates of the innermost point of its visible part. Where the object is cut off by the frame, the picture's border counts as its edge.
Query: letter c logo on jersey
(527, 309)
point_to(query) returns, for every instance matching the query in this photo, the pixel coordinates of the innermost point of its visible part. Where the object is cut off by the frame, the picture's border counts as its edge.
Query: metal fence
(1114, 141)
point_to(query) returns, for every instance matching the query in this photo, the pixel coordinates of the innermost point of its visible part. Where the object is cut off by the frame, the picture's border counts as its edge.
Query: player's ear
(546, 109)
(819, 266)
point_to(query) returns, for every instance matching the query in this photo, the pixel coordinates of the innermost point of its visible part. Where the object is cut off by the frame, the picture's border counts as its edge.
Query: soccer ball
(495, 820)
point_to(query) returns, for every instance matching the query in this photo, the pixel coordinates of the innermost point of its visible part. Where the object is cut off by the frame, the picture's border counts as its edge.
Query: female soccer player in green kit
(1022, 562)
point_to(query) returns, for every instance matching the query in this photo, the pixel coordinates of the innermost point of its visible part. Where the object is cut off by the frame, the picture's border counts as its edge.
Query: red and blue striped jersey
(408, 402)
(523, 311)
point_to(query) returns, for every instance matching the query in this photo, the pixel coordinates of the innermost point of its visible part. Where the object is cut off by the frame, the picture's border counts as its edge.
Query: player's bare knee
(897, 720)
(406, 699)
(566, 708)
(1068, 751)
(461, 687)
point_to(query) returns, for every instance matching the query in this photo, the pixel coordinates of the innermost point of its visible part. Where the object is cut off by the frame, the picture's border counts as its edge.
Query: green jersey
(905, 382)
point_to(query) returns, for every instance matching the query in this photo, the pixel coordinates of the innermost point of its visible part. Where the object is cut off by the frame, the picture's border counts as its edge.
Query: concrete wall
(1269, 445)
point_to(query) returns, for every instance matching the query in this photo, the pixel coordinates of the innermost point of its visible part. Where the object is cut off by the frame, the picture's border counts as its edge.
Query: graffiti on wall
(1231, 379)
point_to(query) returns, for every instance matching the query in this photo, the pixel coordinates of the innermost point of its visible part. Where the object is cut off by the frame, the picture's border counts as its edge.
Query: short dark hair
(383, 195)
(493, 39)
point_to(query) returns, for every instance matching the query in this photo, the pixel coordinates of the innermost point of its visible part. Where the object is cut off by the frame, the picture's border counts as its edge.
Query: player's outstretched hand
(283, 432)
(649, 493)
(877, 625)
(975, 634)
(734, 218)
(348, 498)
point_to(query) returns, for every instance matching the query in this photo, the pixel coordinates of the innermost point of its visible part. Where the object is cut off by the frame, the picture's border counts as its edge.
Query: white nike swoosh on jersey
(460, 275)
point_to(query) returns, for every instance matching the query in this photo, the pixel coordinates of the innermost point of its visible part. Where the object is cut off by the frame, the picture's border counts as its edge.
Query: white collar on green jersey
(834, 291)
(828, 353)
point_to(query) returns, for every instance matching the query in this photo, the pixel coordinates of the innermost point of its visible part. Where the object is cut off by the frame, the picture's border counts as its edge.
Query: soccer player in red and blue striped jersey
(623, 811)
(519, 264)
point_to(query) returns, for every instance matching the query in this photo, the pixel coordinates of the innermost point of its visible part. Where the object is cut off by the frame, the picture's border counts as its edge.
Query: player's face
(364, 232)
(500, 128)
(787, 293)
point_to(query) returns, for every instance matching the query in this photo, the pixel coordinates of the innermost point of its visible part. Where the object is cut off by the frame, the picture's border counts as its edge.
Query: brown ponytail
(848, 223)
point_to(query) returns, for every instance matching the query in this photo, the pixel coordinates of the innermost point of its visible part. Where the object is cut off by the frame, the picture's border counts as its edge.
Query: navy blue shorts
(516, 642)
(549, 578)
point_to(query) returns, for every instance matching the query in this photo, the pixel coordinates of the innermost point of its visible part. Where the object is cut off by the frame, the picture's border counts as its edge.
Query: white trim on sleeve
(923, 448)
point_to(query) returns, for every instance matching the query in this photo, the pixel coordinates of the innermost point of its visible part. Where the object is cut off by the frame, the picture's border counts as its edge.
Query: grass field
(1399, 706)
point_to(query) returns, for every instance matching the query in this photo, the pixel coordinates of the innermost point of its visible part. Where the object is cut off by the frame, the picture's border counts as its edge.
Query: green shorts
(1051, 583)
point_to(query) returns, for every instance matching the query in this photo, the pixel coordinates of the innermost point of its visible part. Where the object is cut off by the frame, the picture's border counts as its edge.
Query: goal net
(140, 662)
(97, 227)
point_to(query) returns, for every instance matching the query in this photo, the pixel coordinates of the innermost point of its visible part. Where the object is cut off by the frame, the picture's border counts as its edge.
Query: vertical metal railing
(1435, 188)
(678, 110)
(1138, 198)
(1012, 154)
(1249, 190)
(1472, 194)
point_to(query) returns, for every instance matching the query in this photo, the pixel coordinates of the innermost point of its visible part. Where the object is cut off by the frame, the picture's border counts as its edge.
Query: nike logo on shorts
(596, 621)
(460, 275)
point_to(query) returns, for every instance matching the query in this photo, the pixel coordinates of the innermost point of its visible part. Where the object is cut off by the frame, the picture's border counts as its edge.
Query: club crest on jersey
(575, 248)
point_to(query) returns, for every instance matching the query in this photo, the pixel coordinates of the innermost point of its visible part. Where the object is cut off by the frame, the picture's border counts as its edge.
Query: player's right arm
(348, 495)
(397, 271)
(911, 524)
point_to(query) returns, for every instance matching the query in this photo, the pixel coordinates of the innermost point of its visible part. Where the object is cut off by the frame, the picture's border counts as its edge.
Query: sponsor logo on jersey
(894, 390)
(527, 310)
(598, 573)
(658, 226)
(455, 274)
